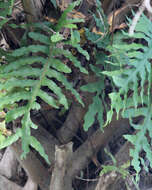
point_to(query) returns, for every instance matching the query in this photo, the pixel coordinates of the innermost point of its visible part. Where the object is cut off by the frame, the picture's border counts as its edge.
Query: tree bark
(82, 156)
(34, 168)
(74, 119)
(60, 180)
(33, 9)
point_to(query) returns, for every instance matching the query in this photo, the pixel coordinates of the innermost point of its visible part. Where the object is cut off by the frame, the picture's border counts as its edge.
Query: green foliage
(120, 170)
(5, 10)
(96, 109)
(33, 72)
(109, 168)
(54, 3)
(101, 39)
(132, 75)
(36, 72)
(129, 68)
(68, 23)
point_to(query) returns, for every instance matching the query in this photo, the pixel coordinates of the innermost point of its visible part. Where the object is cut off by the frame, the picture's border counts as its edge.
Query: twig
(96, 179)
(145, 5)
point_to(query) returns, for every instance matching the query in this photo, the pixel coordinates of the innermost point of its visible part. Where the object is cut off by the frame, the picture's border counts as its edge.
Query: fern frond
(59, 66)
(134, 80)
(11, 139)
(27, 76)
(75, 42)
(94, 109)
(63, 21)
(32, 48)
(73, 59)
(135, 70)
(39, 37)
(37, 146)
(15, 97)
(52, 86)
(22, 72)
(14, 65)
(61, 78)
(18, 112)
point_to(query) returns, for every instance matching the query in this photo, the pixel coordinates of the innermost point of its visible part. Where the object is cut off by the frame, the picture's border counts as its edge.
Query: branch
(145, 5)
(60, 180)
(76, 114)
(34, 168)
(74, 119)
(46, 139)
(82, 156)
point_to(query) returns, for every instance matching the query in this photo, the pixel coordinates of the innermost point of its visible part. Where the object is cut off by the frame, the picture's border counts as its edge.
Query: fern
(133, 75)
(98, 106)
(101, 38)
(96, 109)
(5, 10)
(23, 77)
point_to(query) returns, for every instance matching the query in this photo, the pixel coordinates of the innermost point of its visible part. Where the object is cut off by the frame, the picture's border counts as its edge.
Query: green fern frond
(32, 48)
(73, 59)
(134, 71)
(94, 109)
(39, 37)
(27, 76)
(11, 139)
(14, 65)
(61, 78)
(19, 111)
(134, 79)
(52, 86)
(59, 66)
(63, 21)
(37, 146)
(75, 42)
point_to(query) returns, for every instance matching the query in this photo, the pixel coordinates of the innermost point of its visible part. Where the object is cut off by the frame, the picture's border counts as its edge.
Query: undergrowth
(35, 71)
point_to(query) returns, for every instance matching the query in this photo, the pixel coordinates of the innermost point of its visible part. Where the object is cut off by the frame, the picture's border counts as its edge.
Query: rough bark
(82, 156)
(33, 167)
(6, 184)
(30, 185)
(60, 180)
(8, 164)
(74, 119)
(33, 9)
(47, 141)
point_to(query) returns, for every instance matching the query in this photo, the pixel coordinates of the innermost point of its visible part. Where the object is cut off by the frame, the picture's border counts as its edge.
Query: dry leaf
(76, 14)
(50, 19)
(116, 19)
(94, 30)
